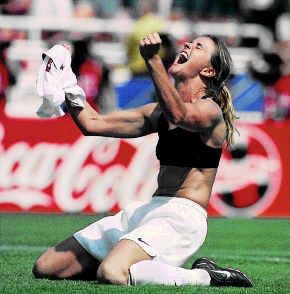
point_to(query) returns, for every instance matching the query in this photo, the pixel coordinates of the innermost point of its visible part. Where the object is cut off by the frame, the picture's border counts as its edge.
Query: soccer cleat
(204, 263)
(222, 276)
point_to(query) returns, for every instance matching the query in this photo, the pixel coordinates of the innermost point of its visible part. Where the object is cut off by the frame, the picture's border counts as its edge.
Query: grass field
(259, 247)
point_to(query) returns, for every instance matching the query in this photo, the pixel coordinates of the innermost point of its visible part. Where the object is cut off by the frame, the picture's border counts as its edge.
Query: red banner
(48, 166)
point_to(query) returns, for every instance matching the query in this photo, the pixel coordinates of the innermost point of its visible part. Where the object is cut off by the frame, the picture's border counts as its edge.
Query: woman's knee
(115, 267)
(109, 272)
(42, 267)
(36, 271)
(56, 265)
(67, 260)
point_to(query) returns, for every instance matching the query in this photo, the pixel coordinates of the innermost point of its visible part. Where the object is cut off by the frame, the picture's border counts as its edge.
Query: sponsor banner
(48, 166)
(253, 177)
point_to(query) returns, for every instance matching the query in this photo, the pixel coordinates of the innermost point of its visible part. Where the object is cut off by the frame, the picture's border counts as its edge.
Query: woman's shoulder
(211, 107)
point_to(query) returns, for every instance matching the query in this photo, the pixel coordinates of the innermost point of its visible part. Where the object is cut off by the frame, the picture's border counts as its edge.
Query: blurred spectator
(85, 9)
(52, 8)
(264, 12)
(267, 69)
(214, 9)
(6, 76)
(148, 22)
(87, 69)
(92, 73)
(277, 100)
(106, 9)
(169, 49)
(16, 7)
(107, 93)
(4, 73)
(282, 26)
(10, 35)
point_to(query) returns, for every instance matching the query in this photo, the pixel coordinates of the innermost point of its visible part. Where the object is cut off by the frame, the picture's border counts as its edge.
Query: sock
(159, 273)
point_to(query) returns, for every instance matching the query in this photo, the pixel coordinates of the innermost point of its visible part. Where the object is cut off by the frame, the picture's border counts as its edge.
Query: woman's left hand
(150, 45)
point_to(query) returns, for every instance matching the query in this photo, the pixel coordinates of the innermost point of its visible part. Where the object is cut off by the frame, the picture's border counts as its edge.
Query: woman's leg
(115, 267)
(66, 260)
(157, 237)
(129, 264)
(159, 273)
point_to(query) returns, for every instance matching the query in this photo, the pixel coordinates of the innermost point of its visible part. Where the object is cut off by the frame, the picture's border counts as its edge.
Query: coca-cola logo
(56, 171)
(249, 175)
(92, 174)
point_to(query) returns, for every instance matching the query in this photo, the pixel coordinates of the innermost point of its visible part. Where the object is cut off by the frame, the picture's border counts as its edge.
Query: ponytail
(216, 86)
(222, 96)
(224, 100)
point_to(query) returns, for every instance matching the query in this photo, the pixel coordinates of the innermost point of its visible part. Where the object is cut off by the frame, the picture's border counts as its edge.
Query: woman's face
(193, 58)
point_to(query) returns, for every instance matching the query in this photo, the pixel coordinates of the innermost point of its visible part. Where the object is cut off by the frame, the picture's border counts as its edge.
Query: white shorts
(170, 229)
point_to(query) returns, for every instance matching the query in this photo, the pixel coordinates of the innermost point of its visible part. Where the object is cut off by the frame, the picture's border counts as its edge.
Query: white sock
(159, 273)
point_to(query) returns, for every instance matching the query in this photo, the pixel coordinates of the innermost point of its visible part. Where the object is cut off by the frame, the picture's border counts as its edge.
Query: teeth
(182, 57)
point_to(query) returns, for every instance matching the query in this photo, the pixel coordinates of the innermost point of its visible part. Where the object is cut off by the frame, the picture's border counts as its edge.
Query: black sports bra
(184, 148)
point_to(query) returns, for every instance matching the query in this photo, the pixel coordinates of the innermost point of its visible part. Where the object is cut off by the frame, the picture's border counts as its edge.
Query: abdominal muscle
(192, 183)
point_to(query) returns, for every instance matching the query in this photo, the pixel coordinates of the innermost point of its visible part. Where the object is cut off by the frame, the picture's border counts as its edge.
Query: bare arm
(120, 124)
(169, 99)
(192, 116)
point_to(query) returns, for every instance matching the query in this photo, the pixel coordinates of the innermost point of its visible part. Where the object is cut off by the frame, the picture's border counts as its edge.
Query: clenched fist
(150, 45)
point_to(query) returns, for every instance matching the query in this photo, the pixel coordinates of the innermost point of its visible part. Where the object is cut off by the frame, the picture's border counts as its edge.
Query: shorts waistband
(184, 201)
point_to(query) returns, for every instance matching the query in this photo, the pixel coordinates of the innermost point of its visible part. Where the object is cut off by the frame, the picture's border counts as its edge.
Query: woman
(149, 242)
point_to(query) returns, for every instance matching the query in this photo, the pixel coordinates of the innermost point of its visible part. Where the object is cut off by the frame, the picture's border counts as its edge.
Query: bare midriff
(188, 182)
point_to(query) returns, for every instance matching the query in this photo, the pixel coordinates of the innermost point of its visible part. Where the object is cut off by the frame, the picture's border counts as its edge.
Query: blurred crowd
(271, 70)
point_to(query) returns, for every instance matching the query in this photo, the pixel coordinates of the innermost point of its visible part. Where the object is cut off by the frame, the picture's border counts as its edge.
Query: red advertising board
(48, 166)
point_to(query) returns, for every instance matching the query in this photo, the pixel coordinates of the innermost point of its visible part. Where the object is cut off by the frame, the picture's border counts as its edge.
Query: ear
(208, 72)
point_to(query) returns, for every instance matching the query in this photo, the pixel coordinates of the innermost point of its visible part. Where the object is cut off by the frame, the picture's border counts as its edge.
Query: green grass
(259, 247)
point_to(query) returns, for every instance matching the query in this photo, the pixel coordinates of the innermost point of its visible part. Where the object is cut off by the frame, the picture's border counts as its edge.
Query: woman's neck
(190, 90)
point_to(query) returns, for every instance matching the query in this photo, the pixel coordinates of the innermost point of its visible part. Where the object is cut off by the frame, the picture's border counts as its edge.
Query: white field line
(262, 256)
(32, 248)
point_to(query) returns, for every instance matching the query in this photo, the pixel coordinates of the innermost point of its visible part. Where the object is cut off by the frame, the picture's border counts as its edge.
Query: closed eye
(198, 46)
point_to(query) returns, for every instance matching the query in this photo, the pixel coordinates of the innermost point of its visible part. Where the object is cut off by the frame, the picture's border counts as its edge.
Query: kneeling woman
(148, 243)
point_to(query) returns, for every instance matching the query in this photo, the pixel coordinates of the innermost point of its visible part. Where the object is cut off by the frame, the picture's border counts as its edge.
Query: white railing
(112, 53)
(35, 25)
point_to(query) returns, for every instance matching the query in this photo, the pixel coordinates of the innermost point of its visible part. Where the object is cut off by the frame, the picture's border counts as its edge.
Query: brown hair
(216, 86)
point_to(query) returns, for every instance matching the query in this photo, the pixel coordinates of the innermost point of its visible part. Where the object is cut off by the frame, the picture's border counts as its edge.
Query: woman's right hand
(150, 45)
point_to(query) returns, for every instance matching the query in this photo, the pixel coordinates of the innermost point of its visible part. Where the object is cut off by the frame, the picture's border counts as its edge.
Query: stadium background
(47, 166)
(54, 181)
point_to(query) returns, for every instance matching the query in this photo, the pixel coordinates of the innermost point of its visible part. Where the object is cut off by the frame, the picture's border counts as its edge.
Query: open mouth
(182, 58)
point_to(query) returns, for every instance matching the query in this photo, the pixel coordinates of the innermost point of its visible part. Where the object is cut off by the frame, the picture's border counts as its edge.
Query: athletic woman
(148, 243)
